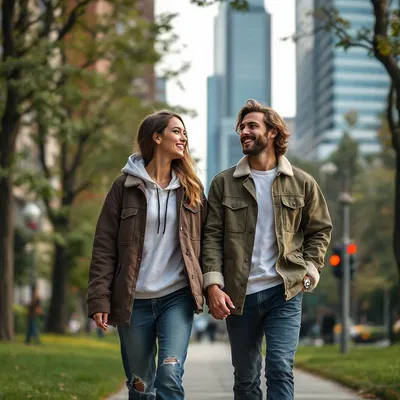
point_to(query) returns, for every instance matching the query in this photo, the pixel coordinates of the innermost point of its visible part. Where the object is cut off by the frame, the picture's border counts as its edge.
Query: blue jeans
(33, 330)
(265, 313)
(167, 320)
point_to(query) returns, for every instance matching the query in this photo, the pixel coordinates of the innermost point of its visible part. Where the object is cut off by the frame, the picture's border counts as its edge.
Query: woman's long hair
(185, 168)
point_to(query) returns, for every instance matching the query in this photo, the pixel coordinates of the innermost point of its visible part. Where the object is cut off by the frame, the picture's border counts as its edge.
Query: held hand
(101, 320)
(218, 302)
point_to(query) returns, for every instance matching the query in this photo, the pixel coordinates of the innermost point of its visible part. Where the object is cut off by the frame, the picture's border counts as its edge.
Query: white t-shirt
(263, 273)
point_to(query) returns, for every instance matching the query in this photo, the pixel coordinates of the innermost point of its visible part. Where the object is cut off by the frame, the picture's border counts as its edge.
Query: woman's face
(172, 143)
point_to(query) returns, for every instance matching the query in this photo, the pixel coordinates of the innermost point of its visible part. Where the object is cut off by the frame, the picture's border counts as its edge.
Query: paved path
(208, 376)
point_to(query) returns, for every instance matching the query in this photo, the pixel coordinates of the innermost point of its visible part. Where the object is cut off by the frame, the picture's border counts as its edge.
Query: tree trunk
(6, 260)
(396, 235)
(8, 135)
(56, 321)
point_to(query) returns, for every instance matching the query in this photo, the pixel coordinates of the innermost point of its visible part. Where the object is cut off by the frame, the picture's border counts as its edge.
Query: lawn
(371, 370)
(61, 368)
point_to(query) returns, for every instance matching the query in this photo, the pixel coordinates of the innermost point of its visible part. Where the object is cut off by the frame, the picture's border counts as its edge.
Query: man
(267, 231)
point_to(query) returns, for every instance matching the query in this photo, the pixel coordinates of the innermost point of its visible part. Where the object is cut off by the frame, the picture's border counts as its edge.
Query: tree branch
(23, 16)
(83, 186)
(389, 61)
(42, 149)
(75, 13)
(84, 138)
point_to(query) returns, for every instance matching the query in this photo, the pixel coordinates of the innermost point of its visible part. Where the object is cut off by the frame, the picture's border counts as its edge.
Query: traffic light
(336, 259)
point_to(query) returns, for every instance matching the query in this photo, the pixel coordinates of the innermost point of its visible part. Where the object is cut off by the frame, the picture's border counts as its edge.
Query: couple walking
(252, 249)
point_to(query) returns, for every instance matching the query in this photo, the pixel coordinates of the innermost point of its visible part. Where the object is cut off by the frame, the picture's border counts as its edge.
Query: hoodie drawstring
(159, 212)
(166, 209)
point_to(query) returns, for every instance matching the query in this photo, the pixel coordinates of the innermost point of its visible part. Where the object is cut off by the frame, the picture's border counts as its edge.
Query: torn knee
(137, 384)
(170, 361)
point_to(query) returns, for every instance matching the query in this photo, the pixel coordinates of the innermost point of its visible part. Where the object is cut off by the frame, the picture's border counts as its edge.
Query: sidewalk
(209, 376)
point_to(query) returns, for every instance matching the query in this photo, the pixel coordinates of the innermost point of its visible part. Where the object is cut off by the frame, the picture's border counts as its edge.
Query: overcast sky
(194, 25)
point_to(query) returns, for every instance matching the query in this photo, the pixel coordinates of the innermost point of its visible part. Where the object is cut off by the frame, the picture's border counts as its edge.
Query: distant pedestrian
(34, 314)
(327, 327)
(145, 275)
(212, 330)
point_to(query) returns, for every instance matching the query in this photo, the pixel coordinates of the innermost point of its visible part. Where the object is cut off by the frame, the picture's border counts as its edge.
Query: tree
(25, 44)
(76, 76)
(95, 98)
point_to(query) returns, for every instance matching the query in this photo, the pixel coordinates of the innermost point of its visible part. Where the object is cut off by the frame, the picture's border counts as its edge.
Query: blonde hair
(185, 168)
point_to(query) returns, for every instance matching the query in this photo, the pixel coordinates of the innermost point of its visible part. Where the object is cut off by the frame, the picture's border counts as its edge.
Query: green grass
(61, 368)
(371, 370)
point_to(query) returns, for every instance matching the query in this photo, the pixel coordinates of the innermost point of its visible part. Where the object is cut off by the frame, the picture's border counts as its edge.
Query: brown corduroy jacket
(118, 247)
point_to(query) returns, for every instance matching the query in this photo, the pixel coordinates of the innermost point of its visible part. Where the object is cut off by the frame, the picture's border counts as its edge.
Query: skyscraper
(333, 82)
(242, 70)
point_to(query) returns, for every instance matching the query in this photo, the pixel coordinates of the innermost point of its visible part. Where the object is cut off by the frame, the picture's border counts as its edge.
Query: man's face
(253, 134)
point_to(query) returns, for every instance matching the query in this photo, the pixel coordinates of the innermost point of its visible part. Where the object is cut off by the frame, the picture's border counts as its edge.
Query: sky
(195, 28)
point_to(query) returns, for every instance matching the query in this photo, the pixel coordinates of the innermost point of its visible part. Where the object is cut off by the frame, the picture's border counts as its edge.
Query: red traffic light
(351, 248)
(334, 260)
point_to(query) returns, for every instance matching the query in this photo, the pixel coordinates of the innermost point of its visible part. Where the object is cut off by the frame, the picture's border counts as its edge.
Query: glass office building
(242, 70)
(333, 82)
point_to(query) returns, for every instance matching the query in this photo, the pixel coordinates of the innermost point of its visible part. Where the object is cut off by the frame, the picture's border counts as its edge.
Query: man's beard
(257, 147)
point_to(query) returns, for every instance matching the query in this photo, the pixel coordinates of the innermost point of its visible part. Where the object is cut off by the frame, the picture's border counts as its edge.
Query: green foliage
(63, 368)
(22, 259)
(240, 5)
(20, 318)
(371, 370)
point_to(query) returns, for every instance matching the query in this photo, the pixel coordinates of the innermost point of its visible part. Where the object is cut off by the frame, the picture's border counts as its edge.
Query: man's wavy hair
(272, 120)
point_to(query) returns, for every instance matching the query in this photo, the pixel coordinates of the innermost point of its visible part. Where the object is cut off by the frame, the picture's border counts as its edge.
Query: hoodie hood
(135, 167)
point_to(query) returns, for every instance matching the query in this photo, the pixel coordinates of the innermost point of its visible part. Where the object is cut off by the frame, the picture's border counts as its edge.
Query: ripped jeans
(164, 323)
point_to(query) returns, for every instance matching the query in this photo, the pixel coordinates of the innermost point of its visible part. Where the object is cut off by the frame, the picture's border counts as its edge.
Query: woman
(145, 276)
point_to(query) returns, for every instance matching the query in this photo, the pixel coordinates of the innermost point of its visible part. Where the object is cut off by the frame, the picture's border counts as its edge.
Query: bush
(20, 318)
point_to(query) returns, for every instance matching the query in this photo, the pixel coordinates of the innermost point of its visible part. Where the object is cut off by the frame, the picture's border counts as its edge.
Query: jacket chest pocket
(193, 219)
(292, 208)
(127, 225)
(235, 214)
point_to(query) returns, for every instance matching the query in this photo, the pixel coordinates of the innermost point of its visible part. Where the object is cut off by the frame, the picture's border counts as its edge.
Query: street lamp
(327, 169)
(32, 217)
(346, 200)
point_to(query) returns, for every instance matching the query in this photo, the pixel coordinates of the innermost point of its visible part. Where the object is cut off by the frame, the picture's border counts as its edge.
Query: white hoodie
(162, 267)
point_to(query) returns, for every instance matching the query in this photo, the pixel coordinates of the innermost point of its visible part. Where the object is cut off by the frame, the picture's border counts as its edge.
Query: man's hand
(218, 302)
(101, 320)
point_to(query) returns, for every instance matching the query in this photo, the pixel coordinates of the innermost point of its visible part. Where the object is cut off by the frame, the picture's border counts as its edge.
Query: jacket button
(246, 259)
(234, 205)
(181, 229)
(139, 259)
(188, 253)
(193, 276)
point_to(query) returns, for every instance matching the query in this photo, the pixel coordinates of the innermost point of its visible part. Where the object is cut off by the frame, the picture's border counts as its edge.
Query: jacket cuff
(213, 278)
(98, 306)
(313, 273)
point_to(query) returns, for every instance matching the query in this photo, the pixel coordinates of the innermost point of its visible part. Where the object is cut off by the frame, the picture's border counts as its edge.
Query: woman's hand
(101, 320)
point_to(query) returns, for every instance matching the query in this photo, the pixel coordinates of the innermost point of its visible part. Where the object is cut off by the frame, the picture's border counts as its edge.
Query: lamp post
(327, 169)
(32, 217)
(346, 200)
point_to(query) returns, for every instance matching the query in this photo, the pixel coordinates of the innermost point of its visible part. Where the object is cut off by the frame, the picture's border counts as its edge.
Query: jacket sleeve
(317, 228)
(213, 242)
(105, 253)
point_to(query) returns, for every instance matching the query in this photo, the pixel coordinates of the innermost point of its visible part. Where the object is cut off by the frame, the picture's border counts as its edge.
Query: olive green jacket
(302, 224)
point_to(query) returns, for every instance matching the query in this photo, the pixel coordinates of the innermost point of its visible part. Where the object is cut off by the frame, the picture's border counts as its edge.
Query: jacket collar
(243, 167)
(132, 181)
